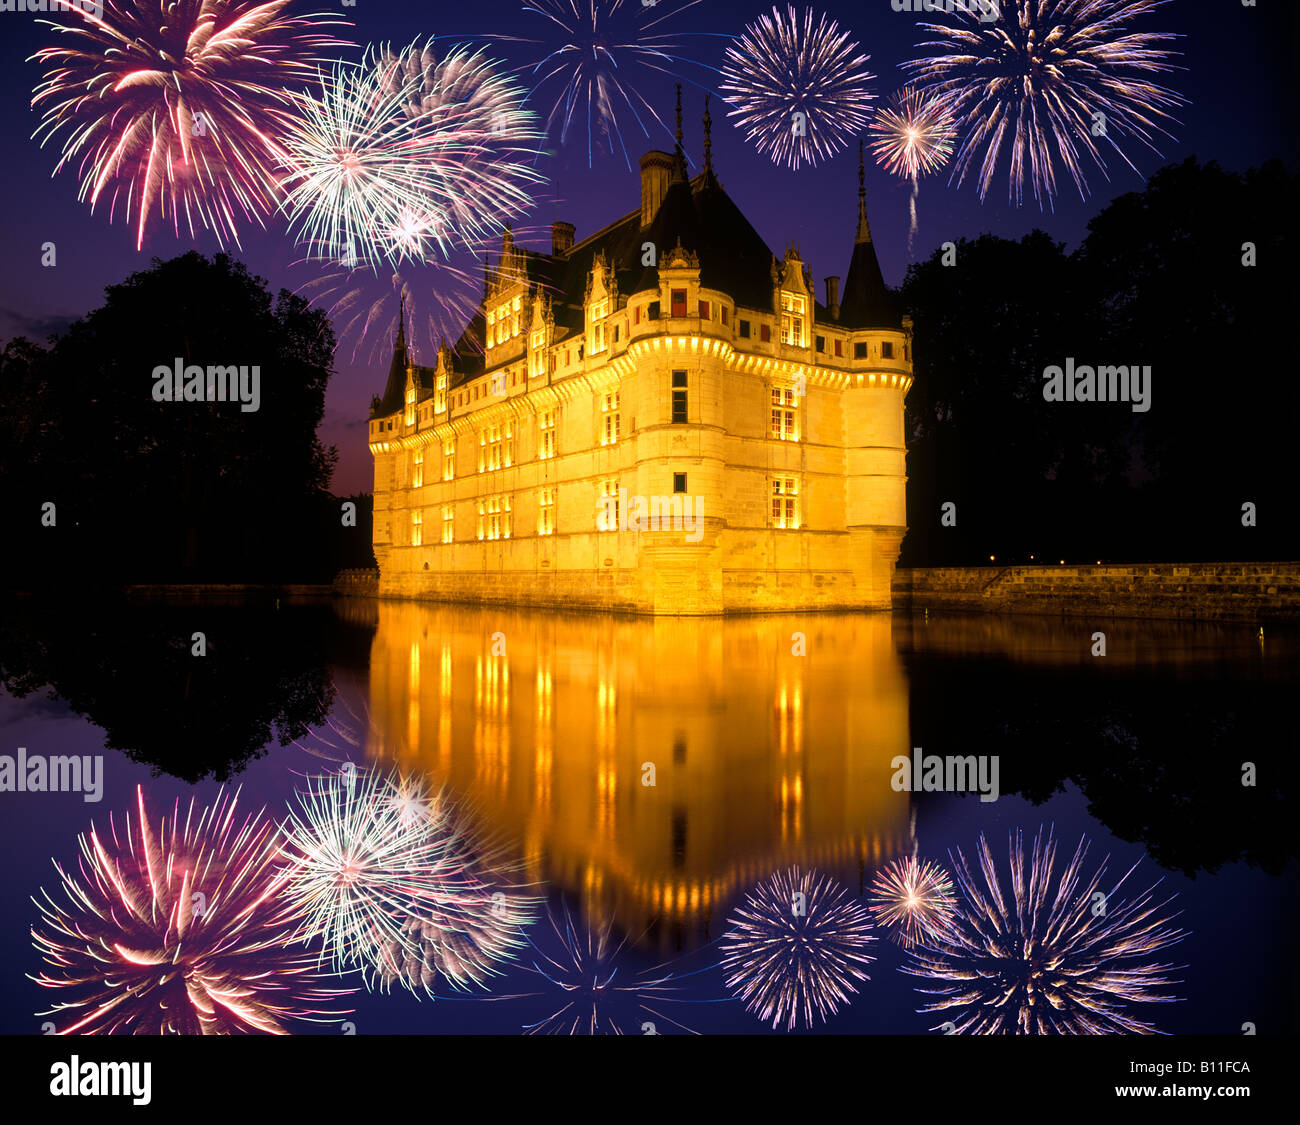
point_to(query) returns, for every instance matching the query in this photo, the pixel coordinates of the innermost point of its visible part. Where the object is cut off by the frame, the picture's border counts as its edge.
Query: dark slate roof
(866, 302)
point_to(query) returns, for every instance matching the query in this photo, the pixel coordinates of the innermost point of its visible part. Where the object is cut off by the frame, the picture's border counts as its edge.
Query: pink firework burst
(181, 928)
(176, 107)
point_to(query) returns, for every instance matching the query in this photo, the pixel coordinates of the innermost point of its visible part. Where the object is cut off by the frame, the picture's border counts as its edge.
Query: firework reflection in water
(391, 885)
(1053, 954)
(183, 928)
(797, 945)
(911, 898)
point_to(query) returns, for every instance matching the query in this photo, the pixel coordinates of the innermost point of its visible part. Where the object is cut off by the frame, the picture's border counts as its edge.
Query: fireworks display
(175, 108)
(1048, 80)
(911, 898)
(388, 883)
(599, 995)
(594, 55)
(915, 135)
(800, 90)
(406, 156)
(795, 946)
(1055, 955)
(178, 929)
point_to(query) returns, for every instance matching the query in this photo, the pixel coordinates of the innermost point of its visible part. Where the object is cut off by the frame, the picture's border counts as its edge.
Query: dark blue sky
(1238, 77)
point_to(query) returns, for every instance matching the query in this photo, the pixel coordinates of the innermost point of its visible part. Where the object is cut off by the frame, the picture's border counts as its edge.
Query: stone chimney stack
(561, 238)
(656, 172)
(833, 297)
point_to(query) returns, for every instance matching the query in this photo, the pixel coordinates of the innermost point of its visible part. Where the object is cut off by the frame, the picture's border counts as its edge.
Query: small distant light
(1062, 562)
(990, 558)
(1031, 558)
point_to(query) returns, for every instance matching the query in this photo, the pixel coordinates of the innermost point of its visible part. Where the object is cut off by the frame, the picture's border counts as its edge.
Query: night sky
(1238, 78)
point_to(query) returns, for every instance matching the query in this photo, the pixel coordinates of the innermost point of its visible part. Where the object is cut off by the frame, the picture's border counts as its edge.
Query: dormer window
(538, 364)
(440, 394)
(793, 322)
(410, 406)
(599, 311)
(503, 321)
(679, 302)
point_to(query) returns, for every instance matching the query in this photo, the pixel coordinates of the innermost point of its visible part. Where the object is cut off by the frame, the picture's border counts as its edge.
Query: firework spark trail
(596, 53)
(178, 106)
(405, 156)
(1054, 956)
(917, 134)
(784, 66)
(385, 880)
(597, 996)
(912, 899)
(180, 929)
(798, 943)
(1050, 78)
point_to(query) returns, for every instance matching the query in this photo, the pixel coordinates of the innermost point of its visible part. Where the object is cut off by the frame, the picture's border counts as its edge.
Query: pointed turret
(866, 302)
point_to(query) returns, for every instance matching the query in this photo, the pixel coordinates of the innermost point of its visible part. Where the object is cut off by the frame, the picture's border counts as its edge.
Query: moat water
(649, 787)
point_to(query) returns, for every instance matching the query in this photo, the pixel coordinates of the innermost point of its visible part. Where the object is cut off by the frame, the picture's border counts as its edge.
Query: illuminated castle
(661, 418)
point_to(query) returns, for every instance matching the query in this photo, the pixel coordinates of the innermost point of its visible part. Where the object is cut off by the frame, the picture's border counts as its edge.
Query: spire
(400, 344)
(679, 160)
(864, 231)
(708, 137)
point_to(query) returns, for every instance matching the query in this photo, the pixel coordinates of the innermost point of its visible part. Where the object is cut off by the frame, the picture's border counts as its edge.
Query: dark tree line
(1160, 281)
(150, 491)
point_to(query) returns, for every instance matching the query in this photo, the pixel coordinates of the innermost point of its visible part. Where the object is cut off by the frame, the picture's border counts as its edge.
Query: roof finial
(864, 231)
(708, 137)
(400, 344)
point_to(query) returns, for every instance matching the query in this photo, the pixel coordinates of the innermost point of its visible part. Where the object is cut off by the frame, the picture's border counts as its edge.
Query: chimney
(833, 297)
(656, 171)
(561, 238)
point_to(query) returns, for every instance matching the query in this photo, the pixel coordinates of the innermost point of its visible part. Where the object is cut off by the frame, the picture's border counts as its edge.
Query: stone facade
(1257, 592)
(669, 359)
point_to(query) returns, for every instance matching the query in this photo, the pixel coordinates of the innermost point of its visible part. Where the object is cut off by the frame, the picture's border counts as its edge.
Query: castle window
(784, 417)
(785, 502)
(636, 314)
(417, 468)
(537, 366)
(859, 351)
(792, 319)
(410, 406)
(417, 519)
(706, 313)
(765, 333)
(494, 448)
(886, 350)
(652, 313)
(607, 518)
(598, 313)
(839, 347)
(724, 314)
(821, 343)
(744, 329)
(679, 397)
(440, 394)
(448, 522)
(679, 302)
(503, 321)
(609, 419)
(616, 332)
(448, 460)
(494, 517)
(679, 482)
(546, 434)
(546, 512)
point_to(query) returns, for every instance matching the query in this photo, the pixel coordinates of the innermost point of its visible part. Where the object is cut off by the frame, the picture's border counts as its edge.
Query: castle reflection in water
(769, 738)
